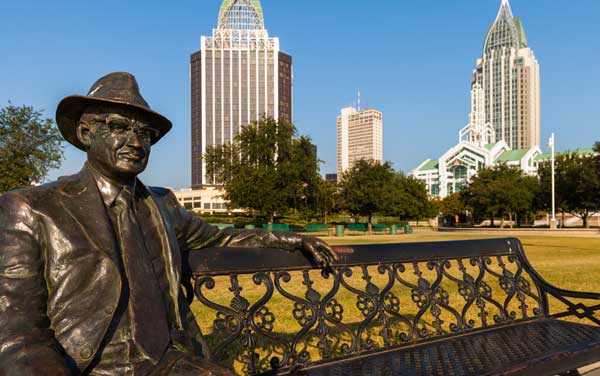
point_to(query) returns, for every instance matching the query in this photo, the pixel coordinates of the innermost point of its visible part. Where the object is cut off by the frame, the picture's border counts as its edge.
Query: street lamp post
(551, 146)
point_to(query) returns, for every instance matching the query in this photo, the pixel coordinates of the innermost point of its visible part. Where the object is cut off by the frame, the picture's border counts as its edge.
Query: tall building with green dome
(238, 76)
(504, 123)
(505, 90)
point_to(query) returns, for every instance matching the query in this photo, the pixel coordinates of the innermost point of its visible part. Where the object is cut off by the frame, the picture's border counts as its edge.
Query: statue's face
(118, 141)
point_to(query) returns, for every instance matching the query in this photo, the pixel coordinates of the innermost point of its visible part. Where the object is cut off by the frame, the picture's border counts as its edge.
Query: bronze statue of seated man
(90, 265)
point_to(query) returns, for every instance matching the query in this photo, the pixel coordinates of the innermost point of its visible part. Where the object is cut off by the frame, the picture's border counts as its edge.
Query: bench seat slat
(540, 347)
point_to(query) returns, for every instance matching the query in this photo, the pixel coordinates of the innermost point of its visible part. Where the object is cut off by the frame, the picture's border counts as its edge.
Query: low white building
(456, 167)
(453, 170)
(208, 200)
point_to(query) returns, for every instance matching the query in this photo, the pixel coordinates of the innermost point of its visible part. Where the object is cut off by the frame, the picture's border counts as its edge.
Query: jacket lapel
(85, 206)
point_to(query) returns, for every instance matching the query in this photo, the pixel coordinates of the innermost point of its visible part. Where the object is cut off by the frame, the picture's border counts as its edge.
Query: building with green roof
(580, 152)
(452, 171)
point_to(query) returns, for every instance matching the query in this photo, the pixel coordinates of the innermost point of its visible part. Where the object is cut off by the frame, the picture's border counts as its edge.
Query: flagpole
(553, 220)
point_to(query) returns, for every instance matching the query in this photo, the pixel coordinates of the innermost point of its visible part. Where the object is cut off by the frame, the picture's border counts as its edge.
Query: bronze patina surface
(91, 265)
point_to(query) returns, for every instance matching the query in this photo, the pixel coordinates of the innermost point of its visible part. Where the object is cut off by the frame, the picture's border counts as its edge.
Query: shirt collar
(109, 190)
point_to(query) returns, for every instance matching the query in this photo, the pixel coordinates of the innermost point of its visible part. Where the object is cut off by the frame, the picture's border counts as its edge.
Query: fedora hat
(118, 88)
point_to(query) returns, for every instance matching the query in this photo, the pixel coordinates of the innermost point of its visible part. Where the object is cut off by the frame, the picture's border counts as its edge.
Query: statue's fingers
(320, 258)
(311, 252)
(332, 257)
(332, 254)
(317, 255)
(329, 261)
(327, 252)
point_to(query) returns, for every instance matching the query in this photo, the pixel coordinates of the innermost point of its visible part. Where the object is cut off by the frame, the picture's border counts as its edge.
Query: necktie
(146, 307)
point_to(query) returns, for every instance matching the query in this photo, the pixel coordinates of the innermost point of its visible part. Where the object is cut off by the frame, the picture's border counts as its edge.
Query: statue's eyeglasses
(122, 127)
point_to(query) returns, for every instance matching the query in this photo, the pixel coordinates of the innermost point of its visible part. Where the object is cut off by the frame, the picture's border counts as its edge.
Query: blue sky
(410, 59)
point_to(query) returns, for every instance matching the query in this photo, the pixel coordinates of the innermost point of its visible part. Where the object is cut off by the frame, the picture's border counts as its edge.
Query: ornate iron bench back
(263, 308)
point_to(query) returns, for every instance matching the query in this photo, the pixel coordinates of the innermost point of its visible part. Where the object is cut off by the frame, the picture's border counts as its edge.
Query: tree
(577, 185)
(323, 199)
(581, 184)
(372, 188)
(532, 185)
(499, 191)
(452, 206)
(29, 147)
(266, 169)
(412, 200)
(477, 195)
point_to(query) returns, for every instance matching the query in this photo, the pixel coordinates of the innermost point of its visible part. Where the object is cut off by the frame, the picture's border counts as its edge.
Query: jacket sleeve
(27, 344)
(193, 233)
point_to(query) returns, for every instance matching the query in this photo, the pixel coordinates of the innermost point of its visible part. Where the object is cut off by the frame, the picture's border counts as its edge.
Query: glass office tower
(237, 77)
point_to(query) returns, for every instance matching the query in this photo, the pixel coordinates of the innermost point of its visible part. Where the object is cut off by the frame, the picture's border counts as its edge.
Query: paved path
(592, 370)
(586, 233)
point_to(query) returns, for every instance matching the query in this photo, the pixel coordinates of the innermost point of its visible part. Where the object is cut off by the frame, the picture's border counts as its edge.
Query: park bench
(317, 227)
(276, 226)
(407, 229)
(357, 227)
(381, 228)
(222, 226)
(440, 308)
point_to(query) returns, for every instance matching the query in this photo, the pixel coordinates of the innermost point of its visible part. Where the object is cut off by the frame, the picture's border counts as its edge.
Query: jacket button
(86, 353)
(109, 310)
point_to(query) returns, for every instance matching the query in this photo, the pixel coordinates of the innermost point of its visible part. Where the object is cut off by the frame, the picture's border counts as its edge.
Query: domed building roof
(241, 15)
(506, 31)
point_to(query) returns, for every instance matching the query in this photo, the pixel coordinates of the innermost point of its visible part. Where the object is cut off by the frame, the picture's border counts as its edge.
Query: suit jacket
(59, 287)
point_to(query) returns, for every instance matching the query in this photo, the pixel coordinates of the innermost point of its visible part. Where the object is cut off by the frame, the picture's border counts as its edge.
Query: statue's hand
(318, 251)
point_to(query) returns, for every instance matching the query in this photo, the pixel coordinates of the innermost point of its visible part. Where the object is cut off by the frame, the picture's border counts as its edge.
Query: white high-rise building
(505, 92)
(504, 123)
(237, 77)
(359, 136)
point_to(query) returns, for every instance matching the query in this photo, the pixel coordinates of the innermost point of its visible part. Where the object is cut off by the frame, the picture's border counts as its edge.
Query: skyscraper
(238, 76)
(359, 136)
(505, 90)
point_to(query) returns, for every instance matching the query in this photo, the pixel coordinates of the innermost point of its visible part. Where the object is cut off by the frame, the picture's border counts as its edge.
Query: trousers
(173, 363)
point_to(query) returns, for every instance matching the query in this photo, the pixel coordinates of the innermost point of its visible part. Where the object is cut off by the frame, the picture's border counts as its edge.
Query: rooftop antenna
(359, 101)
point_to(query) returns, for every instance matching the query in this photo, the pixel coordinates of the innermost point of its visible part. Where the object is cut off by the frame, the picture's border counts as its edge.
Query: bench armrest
(556, 292)
(577, 309)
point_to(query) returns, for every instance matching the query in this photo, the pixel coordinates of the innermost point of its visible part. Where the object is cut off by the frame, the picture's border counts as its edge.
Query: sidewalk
(591, 370)
(591, 232)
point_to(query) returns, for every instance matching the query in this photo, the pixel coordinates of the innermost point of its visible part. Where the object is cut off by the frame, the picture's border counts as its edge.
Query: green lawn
(568, 262)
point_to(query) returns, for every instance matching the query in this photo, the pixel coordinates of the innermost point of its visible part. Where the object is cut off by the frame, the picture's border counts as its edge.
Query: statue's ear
(84, 134)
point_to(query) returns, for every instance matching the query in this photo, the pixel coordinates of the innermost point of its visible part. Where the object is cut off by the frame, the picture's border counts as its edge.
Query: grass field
(567, 262)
